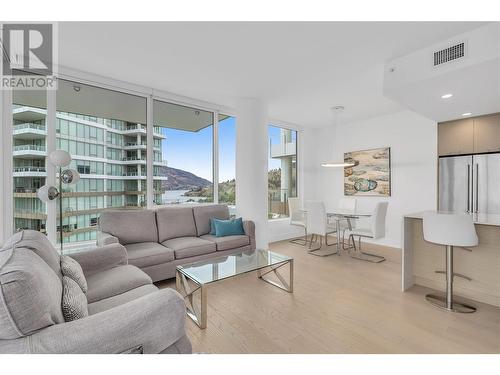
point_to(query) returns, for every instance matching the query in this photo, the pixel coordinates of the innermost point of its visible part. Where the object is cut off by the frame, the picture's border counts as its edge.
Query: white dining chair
(450, 230)
(297, 218)
(318, 227)
(347, 204)
(375, 230)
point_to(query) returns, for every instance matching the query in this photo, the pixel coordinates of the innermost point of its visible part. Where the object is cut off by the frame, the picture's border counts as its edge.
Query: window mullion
(215, 157)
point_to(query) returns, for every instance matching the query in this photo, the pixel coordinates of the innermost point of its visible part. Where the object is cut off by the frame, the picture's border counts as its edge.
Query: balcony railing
(278, 203)
(130, 174)
(134, 144)
(29, 125)
(162, 162)
(136, 127)
(133, 158)
(21, 189)
(29, 148)
(30, 169)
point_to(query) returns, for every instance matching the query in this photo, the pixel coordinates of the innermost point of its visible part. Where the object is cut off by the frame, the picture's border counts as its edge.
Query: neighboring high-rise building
(286, 152)
(109, 154)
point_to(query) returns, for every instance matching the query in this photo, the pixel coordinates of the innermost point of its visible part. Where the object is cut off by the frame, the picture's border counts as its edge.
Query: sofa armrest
(104, 238)
(249, 228)
(152, 322)
(101, 258)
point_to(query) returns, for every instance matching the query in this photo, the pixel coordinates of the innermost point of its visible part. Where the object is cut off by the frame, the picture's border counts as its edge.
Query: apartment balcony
(282, 150)
(160, 162)
(30, 172)
(135, 129)
(162, 178)
(132, 176)
(157, 133)
(134, 146)
(29, 151)
(29, 214)
(29, 131)
(132, 160)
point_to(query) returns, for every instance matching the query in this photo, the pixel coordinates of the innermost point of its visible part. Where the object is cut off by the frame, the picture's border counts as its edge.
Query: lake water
(177, 196)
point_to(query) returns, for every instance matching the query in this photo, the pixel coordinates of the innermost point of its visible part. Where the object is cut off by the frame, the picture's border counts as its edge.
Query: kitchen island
(421, 260)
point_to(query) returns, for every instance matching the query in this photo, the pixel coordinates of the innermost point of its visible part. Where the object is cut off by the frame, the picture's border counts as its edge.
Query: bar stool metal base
(439, 300)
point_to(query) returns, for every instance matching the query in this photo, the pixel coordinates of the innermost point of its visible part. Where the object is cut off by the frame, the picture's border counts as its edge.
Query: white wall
(413, 142)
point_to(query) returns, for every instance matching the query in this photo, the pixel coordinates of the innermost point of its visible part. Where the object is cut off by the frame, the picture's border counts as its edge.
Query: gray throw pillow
(72, 269)
(74, 303)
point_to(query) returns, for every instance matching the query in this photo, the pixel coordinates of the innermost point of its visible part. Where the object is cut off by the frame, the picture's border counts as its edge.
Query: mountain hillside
(182, 180)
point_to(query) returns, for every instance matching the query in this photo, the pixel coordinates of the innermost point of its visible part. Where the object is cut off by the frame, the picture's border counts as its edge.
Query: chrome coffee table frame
(190, 286)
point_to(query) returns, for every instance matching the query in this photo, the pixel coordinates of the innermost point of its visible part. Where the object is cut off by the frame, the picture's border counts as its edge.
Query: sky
(192, 151)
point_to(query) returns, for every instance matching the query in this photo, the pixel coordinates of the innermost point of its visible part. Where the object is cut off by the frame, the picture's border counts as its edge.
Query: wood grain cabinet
(469, 136)
(487, 133)
(456, 137)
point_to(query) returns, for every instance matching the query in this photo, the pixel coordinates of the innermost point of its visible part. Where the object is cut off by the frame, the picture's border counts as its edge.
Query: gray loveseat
(159, 240)
(127, 313)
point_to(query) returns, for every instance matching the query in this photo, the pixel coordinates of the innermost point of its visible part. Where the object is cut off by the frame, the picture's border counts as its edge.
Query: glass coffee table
(192, 279)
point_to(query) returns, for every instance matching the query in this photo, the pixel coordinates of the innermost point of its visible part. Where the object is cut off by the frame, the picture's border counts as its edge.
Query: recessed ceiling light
(446, 96)
(466, 114)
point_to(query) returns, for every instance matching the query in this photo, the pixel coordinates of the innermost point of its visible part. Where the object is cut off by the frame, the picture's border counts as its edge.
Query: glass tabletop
(348, 213)
(210, 270)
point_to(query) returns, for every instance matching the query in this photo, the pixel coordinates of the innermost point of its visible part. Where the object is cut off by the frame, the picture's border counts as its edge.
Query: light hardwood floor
(339, 305)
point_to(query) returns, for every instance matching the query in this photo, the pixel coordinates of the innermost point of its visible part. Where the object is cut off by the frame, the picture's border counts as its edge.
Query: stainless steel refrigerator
(470, 183)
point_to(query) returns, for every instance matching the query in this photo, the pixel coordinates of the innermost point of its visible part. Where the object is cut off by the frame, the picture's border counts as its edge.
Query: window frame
(148, 93)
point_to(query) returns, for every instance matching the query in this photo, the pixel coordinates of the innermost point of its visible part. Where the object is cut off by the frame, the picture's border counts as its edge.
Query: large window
(105, 133)
(29, 150)
(186, 144)
(227, 164)
(282, 173)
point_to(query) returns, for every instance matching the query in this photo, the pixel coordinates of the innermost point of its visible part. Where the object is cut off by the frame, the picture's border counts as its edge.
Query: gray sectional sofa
(158, 240)
(126, 312)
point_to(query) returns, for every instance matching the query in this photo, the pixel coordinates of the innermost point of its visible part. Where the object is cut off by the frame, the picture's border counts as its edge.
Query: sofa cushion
(228, 242)
(120, 299)
(202, 215)
(114, 281)
(72, 269)
(175, 222)
(40, 244)
(186, 247)
(30, 293)
(130, 226)
(146, 254)
(74, 303)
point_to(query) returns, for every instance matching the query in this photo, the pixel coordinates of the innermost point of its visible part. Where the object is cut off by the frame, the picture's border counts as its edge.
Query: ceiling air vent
(449, 54)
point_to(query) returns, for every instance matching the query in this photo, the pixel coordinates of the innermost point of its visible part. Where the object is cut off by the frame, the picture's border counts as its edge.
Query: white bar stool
(450, 230)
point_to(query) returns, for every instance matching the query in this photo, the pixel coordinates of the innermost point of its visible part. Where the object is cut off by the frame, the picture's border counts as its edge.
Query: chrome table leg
(199, 316)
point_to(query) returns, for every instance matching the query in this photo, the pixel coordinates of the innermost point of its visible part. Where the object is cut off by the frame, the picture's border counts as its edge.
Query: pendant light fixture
(337, 110)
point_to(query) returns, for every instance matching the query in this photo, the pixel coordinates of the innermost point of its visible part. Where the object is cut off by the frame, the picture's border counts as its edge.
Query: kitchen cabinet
(487, 133)
(473, 135)
(456, 137)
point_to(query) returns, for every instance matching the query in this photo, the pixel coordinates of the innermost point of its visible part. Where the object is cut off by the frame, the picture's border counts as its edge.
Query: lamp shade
(47, 193)
(70, 176)
(60, 158)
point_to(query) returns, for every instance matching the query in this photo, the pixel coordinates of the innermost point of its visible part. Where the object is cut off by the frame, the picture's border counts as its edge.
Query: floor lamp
(60, 159)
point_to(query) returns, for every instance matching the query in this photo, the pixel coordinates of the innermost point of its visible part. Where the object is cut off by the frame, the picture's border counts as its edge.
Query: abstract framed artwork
(371, 174)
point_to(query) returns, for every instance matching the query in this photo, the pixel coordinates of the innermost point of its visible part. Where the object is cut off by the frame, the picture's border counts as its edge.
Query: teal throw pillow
(230, 227)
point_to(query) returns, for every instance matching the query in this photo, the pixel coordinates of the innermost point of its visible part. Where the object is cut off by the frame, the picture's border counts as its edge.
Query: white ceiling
(301, 69)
